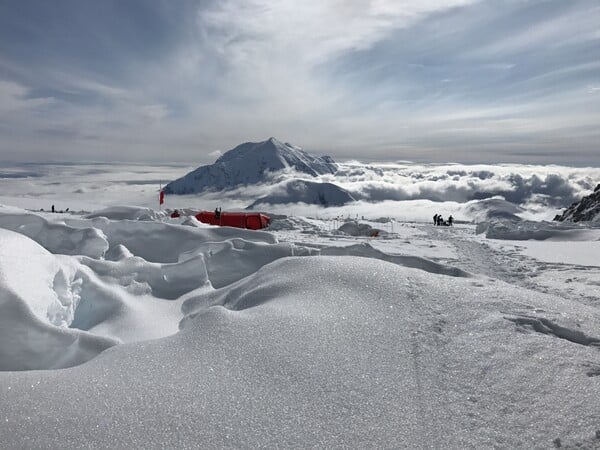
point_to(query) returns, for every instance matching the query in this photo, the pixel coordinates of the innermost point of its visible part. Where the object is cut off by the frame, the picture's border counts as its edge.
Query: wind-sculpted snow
(164, 242)
(35, 311)
(127, 213)
(524, 230)
(57, 237)
(121, 298)
(233, 259)
(166, 281)
(367, 251)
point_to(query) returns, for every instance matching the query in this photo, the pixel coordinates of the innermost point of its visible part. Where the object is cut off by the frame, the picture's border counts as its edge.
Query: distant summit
(250, 163)
(585, 210)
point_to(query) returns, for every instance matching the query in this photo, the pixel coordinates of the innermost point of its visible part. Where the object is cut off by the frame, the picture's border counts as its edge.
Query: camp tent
(253, 221)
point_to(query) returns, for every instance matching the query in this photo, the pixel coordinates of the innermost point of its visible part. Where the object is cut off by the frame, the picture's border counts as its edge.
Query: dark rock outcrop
(585, 210)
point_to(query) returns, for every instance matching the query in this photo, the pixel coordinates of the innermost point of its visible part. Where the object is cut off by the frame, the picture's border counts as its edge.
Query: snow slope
(175, 334)
(331, 351)
(250, 163)
(308, 192)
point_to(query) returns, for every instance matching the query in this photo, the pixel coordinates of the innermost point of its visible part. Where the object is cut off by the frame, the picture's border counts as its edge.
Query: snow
(317, 332)
(582, 253)
(251, 163)
(308, 192)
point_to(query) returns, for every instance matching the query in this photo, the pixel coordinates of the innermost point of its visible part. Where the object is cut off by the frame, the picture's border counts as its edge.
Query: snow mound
(529, 230)
(415, 262)
(166, 281)
(233, 259)
(165, 242)
(355, 228)
(250, 163)
(127, 213)
(57, 237)
(309, 192)
(280, 223)
(586, 210)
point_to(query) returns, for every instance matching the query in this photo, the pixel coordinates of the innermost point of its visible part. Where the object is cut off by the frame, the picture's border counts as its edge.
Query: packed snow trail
(478, 257)
(503, 261)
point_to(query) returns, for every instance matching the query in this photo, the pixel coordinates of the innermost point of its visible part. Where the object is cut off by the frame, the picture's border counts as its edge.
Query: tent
(253, 221)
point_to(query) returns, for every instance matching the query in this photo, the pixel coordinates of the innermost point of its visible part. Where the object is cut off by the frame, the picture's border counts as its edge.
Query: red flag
(161, 198)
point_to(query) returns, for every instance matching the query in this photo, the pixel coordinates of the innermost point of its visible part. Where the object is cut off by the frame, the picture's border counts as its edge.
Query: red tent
(253, 221)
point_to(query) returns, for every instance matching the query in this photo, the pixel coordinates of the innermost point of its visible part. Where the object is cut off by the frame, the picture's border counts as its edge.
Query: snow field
(306, 335)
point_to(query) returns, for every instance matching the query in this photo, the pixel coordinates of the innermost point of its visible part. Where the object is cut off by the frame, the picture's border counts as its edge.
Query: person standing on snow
(435, 221)
(450, 220)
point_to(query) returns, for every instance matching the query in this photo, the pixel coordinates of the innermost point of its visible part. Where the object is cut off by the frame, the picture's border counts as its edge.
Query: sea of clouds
(406, 190)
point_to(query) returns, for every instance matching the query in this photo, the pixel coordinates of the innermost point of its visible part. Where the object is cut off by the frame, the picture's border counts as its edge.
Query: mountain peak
(251, 163)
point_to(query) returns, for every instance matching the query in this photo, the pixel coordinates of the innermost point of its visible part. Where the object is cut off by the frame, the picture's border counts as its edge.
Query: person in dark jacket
(435, 222)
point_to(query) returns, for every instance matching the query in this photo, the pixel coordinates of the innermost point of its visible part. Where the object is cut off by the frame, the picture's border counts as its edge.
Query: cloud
(548, 186)
(154, 113)
(14, 98)
(216, 154)
(434, 80)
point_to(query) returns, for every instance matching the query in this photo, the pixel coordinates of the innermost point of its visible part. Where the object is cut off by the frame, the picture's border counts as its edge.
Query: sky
(375, 80)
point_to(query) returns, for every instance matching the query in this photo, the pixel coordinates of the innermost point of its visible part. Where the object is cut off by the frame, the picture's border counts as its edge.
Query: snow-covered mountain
(309, 192)
(585, 210)
(250, 163)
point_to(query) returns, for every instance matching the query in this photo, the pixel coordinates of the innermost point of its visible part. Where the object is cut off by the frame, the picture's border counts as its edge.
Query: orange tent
(253, 221)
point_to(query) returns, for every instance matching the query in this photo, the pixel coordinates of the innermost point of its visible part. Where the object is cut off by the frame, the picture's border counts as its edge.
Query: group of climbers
(439, 221)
